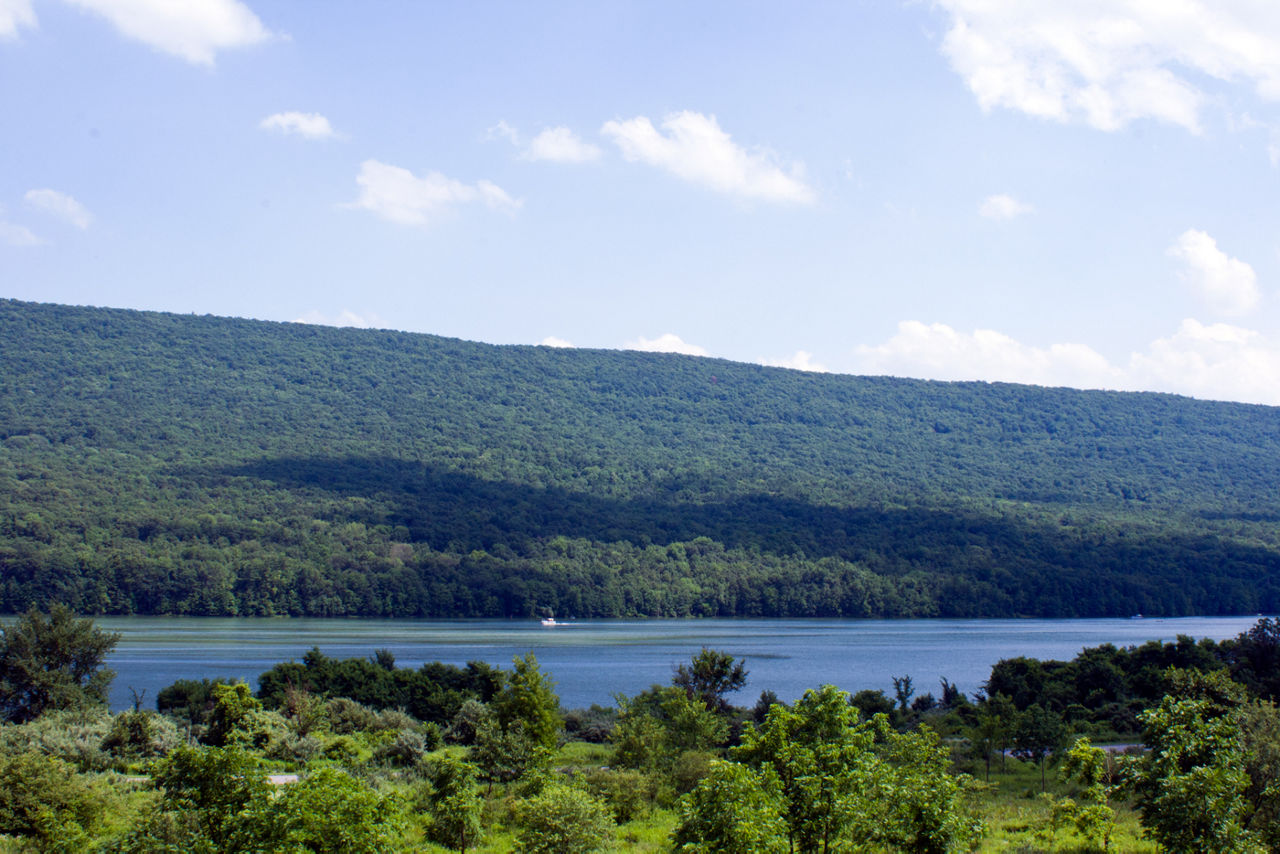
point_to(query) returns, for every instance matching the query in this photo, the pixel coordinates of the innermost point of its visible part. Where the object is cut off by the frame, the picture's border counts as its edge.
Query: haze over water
(592, 660)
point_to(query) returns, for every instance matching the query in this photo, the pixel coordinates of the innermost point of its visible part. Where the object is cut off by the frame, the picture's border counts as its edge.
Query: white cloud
(936, 351)
(307, 125)
(1214, 361)
(696, 149)
(553, 341)
(346, 318)
(561, 145)
(504, 131)
(15, 14)
(398, 195)
(1228, 285)
(194, 30)
(801, 361)
(61, 205)
(1003, 207)
(665, 343)
(16, 235)
(1109, 62)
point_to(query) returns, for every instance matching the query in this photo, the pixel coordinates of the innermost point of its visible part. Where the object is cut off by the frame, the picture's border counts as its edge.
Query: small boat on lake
(549, 621)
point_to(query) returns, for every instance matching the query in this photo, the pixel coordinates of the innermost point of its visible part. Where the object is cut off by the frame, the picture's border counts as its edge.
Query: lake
(592, 660)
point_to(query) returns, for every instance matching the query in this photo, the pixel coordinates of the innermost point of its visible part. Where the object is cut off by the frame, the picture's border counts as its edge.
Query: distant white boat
(549, 621)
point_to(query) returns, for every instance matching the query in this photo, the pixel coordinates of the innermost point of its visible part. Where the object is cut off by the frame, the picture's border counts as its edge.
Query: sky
(1067, 194)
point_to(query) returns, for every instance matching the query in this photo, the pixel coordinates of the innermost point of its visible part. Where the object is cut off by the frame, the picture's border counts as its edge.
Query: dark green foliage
(156, 463)
(709, 677)
(434, 692)
(592, 724)
(1254, 658)
(1038, 735)
(136, 735)
(189, 700)
(51, 662)
(1106, 685)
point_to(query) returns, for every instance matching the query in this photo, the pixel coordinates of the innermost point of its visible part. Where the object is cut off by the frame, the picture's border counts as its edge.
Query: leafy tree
(660, 725)
(190, 700)
(453, 804)
(529, 698)
(735, 809)
(841, 781)
(1038, 735)
(140, 735)
(44, 800)
(902, 690)
(1088, 767)
(328, 812)
(710, 676)
(214, 784)
(504, 755)
(816, 752)
(1191, 784)
(562, 820)
(913, 795)
(236, 717)
(52, 661)
(1260, 737)
(988, 735)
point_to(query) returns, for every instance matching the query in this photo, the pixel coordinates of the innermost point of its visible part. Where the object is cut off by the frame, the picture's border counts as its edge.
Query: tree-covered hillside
(154, 463)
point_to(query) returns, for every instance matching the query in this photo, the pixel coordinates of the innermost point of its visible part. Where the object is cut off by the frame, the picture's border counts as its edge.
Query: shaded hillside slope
(159, 463)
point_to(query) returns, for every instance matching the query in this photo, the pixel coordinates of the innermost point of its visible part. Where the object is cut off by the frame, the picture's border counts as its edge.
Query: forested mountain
(156, 463)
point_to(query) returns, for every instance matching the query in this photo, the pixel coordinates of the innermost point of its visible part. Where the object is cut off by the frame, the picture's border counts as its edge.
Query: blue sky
(1078, 194)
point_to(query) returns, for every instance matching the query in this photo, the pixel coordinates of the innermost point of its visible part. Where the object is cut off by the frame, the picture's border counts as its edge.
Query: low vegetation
(301, 765)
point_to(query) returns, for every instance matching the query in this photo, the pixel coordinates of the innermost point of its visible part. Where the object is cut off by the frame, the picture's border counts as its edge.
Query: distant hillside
(155, 463)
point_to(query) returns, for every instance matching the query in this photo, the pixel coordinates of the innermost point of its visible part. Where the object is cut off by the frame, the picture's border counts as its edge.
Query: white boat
(549, 621)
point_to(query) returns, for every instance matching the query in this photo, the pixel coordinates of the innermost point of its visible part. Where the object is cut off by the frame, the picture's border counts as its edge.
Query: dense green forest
(155, 463)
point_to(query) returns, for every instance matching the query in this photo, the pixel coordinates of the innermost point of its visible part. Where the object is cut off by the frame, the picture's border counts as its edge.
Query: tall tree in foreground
(1191, 784)
(52, 661)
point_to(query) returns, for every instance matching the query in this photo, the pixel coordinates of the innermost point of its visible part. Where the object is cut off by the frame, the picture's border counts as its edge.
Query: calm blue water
(592, 660)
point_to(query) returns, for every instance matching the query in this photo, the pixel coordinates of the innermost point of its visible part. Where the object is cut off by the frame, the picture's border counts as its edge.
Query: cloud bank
(1106, 64)
(1214, 361)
